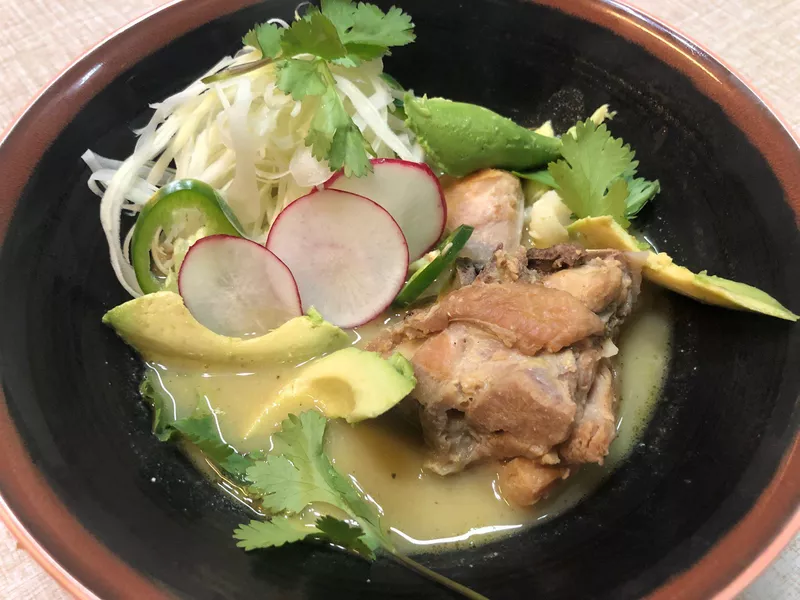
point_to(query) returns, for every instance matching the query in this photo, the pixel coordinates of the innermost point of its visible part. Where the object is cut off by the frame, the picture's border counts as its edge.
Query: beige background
(759, 38)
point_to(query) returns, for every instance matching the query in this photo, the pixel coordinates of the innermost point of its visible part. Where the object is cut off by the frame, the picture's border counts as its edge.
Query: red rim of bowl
(37, 513)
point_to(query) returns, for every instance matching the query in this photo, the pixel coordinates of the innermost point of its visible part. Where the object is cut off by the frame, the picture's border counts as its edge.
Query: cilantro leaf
(272, 533)
(296, 474)
(340, 12)
(299, 446)
(315, 35)
(301, 78)
(348, 151)
(288, 486)
(153, 394)
(640, 192)
(542, 176)
(590, 175)
(265, 37)
(202, 430)
(329, 116)
(358, 53)
(199, 428)
(343, 33)
(280, 530)
(299, 473)
(344, 534)
(364, 25)
(334, 136)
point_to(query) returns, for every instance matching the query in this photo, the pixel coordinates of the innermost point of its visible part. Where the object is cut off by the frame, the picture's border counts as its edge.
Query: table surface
(38, 38)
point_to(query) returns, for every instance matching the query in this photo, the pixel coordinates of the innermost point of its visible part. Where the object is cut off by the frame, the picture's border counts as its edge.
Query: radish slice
(236, 287)
(348, 254)
(410, 192)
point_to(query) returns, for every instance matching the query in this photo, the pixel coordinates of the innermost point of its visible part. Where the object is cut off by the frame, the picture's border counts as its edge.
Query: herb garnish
(342, 34)
(296, 474)
(597, 175)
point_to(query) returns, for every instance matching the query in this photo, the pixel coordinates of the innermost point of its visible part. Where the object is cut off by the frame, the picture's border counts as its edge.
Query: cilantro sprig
(340, 33)
(597, 175)
(297, 474)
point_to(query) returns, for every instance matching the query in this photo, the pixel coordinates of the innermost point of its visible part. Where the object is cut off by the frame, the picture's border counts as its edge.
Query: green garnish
(295, 474)
(461, 138)
(444, 256)
(640, 192)
(343, 34)
(542, 176)
(200, 429)
(597, 175)
(271, 534)
(299, 473)
(174, 206)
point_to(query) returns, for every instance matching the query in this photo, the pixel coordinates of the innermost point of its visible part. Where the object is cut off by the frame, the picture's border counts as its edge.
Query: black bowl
(708, 492)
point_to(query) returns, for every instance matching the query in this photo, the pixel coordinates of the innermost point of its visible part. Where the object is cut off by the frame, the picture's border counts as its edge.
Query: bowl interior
(728, 410)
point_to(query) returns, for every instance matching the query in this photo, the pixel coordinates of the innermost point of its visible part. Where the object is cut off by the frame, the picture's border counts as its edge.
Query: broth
(426, 512)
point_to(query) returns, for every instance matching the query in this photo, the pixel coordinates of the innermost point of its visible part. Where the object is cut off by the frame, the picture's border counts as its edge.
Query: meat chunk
(492, 202)
(511, 367)
(596, 424)
(528, 317)
(524, 481)
(480, 399)
(597, 284)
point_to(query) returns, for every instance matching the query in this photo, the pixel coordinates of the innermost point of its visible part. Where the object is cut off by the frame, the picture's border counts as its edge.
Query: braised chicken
(491, 201)
(513, 366)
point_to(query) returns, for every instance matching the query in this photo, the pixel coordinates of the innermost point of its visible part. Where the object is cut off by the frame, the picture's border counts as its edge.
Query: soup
(385, 456)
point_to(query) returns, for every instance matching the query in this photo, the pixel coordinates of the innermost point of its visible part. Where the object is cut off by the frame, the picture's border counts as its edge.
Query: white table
(759, 38)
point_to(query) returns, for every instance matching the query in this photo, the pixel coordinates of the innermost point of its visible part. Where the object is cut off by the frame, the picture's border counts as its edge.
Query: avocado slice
(161, 329)
(604, 232)
(353, 384)
(345, 382)
(460, 138)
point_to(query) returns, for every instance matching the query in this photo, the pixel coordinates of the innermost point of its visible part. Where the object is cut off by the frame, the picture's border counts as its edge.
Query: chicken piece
(596, 424)
(524, 481)
(528, 317)
(512, 365)
(596, 284)
(492, 202)
(481, 399)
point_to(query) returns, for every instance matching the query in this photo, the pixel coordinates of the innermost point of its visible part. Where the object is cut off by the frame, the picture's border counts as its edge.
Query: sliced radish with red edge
(236, 287)
(410, 192)
(346, 252)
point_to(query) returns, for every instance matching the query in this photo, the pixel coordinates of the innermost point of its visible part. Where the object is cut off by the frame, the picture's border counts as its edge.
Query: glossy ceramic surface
(128, 516)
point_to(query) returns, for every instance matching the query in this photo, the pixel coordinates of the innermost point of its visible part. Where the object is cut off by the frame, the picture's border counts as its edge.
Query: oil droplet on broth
(424, 511)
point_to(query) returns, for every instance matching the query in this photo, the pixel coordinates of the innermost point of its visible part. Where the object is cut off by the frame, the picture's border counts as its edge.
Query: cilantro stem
(236, 71)
(434, 576)
(409, 563)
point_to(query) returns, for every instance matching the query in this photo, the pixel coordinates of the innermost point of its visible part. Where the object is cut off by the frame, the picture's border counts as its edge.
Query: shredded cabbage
(244, 137)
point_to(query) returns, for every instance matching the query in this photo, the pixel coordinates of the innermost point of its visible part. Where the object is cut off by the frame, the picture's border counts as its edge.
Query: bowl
(707, 497)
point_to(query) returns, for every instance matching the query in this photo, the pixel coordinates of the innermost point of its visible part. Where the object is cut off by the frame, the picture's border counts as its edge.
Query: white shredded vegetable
(244, 137)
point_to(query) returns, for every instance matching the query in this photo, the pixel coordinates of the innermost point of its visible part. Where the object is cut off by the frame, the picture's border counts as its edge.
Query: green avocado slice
(343, 381)
(353, 384)
(460, 138)
(161, 329)
(604, 232)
